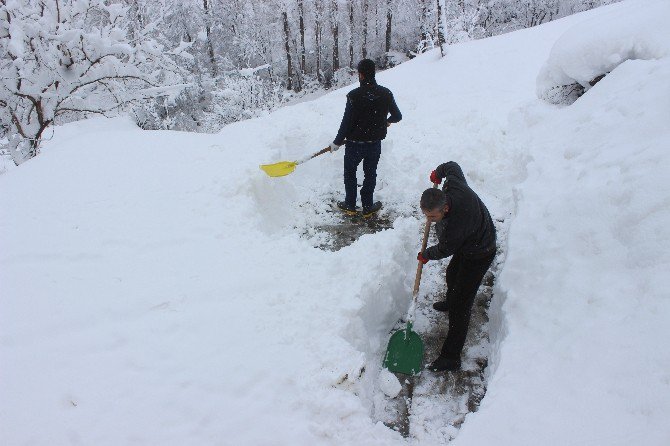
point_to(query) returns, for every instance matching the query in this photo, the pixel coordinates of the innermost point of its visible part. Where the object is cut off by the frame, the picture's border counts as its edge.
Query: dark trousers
(463, 279)
(354, 153)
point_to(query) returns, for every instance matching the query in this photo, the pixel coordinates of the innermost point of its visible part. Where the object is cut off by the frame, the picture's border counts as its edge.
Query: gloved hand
(434, 178)
(421, 258)
(333, 147)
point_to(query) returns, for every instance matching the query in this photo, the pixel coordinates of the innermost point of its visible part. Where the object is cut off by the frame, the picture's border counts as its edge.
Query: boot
(368, 211)
(344, 207)
(441, 306)
(442, 364)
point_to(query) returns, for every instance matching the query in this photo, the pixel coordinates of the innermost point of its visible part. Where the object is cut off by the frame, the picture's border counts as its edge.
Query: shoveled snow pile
(389, 384)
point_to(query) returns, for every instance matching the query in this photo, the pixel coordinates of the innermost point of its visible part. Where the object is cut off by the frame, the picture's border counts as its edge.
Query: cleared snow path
(428, 402)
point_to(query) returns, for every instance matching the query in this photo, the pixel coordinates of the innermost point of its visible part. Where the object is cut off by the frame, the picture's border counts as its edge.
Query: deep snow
(157, 288)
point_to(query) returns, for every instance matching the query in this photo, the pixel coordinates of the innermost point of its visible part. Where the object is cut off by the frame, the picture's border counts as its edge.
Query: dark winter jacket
(467, 228)
(366, 115)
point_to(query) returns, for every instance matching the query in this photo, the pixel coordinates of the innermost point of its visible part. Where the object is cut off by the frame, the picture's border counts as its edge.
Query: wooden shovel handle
(309, 157)
(321, 152)
(419, 268)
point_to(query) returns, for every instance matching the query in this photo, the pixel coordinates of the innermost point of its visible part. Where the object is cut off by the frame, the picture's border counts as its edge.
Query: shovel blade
(404, 353)
(279, 169)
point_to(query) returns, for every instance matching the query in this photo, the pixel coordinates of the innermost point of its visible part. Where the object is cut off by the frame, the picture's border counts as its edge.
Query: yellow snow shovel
(283, 168)
(404, 353)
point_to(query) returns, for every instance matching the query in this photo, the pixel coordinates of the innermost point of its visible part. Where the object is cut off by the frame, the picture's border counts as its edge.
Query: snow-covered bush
(344, 77)
(67, 57)
(391, 59)
(208, 104)
(587, 52)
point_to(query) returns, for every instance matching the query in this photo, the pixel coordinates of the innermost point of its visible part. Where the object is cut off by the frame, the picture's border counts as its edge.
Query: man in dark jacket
(363, 126)
(465, 231)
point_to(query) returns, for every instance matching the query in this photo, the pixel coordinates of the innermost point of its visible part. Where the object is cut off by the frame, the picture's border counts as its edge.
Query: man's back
(370, 106)
(364, 123)
(468, 227)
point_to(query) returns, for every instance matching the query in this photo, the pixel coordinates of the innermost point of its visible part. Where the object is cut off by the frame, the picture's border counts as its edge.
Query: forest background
(197, 65)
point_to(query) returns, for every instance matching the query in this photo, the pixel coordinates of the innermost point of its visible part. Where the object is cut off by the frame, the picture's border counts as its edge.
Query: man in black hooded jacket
(465, 231)
(366, 118)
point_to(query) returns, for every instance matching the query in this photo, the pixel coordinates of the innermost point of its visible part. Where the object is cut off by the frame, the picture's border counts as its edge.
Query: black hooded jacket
(467, 228)
(366, 115)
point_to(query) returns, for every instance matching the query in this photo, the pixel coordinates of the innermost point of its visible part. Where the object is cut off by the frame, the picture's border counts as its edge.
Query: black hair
(367, 68)
(433, 199)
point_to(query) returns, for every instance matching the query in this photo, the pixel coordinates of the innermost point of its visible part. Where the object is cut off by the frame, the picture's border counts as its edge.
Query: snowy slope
(585, 305)
(157, 288)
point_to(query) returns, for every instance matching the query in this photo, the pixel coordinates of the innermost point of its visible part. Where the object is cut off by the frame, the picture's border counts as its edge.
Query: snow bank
(585, 298)
(596, 46)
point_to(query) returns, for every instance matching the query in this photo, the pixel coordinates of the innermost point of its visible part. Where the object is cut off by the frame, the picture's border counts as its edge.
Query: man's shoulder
(376, 87)
(457, 190)
(384, 90)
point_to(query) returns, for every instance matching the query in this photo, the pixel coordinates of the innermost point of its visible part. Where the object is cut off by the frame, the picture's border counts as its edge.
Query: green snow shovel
(405, 350)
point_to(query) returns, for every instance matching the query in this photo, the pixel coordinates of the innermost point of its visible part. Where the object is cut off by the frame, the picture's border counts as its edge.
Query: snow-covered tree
(67, 57)
(62, 59)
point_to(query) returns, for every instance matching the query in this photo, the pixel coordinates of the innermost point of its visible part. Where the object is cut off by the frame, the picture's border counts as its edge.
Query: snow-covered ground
(157, 288)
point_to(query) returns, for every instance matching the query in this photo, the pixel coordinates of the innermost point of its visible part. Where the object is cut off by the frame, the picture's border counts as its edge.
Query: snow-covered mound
(157, 288)
(596, 46)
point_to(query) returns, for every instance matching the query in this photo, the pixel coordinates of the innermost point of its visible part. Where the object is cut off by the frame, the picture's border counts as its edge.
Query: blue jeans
(354, 153)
